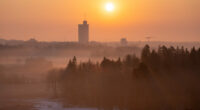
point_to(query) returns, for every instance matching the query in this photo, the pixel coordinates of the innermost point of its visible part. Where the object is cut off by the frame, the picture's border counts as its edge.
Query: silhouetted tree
(145, 53)
(72, 65)
(141, 71)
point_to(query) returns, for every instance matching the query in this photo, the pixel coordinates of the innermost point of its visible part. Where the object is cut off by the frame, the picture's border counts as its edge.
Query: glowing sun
(109, 7)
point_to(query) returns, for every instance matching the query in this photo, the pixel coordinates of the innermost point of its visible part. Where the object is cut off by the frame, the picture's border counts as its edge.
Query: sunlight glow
(109, 7)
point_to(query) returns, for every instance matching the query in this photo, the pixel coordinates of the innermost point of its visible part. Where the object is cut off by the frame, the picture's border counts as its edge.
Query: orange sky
(49, 20)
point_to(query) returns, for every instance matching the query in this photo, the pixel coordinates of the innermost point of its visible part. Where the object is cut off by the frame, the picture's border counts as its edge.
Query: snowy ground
(54, 105)
(29, 97)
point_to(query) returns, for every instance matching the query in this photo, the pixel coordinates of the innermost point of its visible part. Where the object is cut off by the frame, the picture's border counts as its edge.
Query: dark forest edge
(166, 78)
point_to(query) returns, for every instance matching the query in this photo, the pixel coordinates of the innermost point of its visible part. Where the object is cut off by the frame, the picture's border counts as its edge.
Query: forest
(166, 78)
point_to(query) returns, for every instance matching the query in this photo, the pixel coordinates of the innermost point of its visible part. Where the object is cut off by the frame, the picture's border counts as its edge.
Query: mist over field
(50, 76)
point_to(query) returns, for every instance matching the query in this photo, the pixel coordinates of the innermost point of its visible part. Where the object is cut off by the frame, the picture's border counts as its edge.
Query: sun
(109, 7)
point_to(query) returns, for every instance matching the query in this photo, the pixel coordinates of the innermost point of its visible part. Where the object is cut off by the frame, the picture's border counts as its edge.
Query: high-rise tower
(83, 32)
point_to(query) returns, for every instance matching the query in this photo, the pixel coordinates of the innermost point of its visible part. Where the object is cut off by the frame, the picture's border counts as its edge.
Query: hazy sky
(48, 20)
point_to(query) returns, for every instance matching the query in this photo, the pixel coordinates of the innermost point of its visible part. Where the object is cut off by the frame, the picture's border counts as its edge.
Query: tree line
(166, 78)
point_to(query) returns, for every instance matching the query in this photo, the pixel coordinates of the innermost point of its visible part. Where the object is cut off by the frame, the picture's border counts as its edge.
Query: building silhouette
(124, 41)
(83, 32)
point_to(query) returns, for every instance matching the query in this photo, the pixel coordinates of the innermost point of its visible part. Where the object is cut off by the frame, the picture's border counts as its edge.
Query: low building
(124, 41)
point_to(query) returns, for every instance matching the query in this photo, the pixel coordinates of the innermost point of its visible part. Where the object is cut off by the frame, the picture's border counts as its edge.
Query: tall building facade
(83, 32)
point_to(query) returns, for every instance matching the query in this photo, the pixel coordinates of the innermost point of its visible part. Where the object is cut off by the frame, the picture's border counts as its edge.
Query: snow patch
(55, 105)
